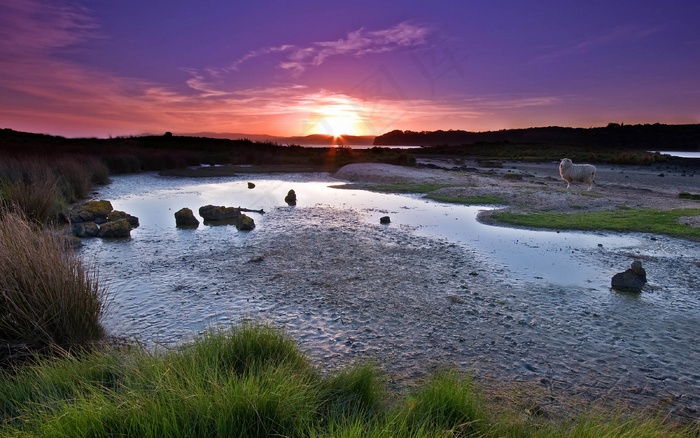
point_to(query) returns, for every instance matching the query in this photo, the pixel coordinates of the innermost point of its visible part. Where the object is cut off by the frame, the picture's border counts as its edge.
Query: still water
(525, 253)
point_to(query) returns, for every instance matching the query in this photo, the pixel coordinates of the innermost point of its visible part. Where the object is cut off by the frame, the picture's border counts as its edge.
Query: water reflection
(526, 255)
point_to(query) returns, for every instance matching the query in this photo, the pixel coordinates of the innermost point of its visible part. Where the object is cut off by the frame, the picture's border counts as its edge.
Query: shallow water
(433, 286)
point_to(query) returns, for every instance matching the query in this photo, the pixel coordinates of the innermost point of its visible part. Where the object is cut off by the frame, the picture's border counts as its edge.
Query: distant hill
(645, 137)
(315, 139)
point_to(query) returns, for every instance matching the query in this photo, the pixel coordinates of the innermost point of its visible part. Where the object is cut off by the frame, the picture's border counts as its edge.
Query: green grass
(468, 200)
(252, 381)
(623, 220)
(406, 188)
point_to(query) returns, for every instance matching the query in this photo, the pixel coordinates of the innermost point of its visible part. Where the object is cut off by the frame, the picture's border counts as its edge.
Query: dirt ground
(528, 187)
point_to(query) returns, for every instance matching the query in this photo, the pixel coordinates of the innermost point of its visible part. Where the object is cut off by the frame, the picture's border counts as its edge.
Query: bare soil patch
(531, 187)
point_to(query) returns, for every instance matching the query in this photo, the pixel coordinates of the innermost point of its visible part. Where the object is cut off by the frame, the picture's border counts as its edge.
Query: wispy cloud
(31, 26)
(357, 43)
(296, 59)
(616, 35)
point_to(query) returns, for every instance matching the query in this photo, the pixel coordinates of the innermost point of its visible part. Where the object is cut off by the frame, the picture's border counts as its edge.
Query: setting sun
(339, 126)
(336, 116)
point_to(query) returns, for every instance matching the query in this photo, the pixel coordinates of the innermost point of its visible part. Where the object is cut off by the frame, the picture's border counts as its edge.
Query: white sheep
(571, 172)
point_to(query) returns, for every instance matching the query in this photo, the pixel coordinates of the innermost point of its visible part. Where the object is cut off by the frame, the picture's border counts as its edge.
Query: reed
(48, 298)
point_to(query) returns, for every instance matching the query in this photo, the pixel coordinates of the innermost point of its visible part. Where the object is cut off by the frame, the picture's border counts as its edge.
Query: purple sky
(103, 68)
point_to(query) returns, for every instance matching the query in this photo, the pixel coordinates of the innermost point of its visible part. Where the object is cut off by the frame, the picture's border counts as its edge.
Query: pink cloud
(38, 26)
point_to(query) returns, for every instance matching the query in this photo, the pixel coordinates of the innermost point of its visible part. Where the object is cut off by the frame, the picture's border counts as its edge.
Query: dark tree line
(644, 137)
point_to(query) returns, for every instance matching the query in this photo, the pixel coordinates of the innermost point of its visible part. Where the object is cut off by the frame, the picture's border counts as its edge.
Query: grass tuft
(47, 297)
(448, 403)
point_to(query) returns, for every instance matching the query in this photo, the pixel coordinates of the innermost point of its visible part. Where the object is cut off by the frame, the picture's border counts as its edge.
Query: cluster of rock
(100, 219)
(215, 215)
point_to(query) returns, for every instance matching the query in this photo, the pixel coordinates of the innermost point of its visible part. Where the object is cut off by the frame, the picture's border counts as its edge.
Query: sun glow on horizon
(336, 116)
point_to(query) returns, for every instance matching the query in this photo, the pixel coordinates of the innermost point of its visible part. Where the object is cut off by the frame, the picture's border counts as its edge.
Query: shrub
(47, 297)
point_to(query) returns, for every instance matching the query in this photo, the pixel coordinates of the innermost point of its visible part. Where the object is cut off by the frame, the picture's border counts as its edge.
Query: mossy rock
(245, 223)
(218, 213)
(85, 229)
(184, 217)
(116, 215)
(91, 211)
(115, 229)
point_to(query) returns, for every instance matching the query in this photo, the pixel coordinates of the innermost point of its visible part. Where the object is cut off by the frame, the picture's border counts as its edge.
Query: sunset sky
(98, 68)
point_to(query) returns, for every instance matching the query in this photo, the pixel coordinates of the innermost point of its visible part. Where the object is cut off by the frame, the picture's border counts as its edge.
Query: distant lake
(359, 146)
(682, 154)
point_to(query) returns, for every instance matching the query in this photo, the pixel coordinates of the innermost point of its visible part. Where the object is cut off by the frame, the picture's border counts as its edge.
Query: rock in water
(115, 215)
(85, 229)
(184, 217)
(251, 185)
(385, 220)
(115, 229)
(214, 213)
(291, 198)
(245, 223)
(91, 211)
(632, 280)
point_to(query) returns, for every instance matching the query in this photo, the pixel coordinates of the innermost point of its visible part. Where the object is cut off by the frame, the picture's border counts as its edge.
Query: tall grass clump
(447, 403)
(47, 297)
(41, 189)
(99, 172)
(74, 179)
(31, 188)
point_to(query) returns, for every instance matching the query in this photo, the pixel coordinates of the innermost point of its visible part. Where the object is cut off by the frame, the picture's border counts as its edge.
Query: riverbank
(531, 187)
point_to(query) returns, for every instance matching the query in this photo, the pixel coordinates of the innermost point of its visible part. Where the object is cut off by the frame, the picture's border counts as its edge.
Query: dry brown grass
(30, 188)
(47, 297)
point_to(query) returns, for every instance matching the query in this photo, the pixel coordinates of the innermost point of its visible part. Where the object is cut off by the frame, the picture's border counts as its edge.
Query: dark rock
(115, 229)
(85, 229)
(73, 243)
(116, 215)
(291, 198)
(91, 211)
(251, 185)
(632, 280)
(385, 220)
(185, 218)
(245, 223)
(214, 213)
